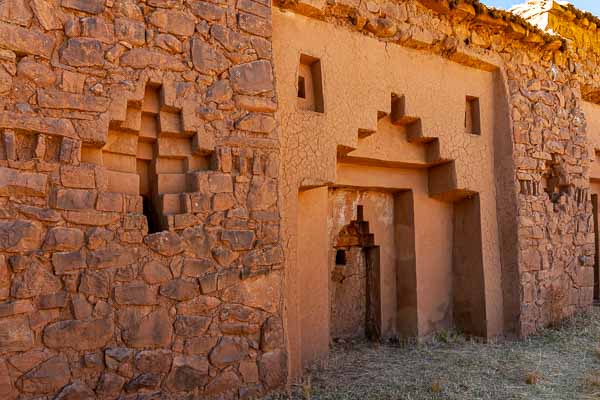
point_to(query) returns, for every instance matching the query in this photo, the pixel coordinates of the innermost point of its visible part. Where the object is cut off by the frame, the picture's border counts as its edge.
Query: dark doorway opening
(154, 224)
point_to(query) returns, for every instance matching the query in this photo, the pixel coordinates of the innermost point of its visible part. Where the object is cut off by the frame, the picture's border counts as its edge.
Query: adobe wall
(357, 93)
(91, 305)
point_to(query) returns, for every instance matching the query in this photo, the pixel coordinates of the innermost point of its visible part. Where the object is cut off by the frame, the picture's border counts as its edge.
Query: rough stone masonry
(92, 305)
(147, 227)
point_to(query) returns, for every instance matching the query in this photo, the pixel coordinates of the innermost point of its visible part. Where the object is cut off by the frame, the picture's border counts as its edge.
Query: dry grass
(558, 364)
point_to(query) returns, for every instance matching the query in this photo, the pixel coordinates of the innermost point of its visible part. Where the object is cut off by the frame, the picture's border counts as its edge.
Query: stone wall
(122, 116)
(91, 305)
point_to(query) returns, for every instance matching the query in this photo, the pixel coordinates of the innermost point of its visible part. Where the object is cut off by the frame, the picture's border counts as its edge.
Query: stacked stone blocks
(91, 305)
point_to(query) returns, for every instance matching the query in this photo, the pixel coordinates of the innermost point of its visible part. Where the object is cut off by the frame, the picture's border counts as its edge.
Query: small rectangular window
(472, 117)
(340, 257)
(310, 84)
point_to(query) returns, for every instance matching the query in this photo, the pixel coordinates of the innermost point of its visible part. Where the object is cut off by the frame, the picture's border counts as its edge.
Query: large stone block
(46, 15)
(273, 368)
(37, 124)
(20, 236)
(230, 350)
(255, 25)
(146, 58)
(19, 183)
(79, 335)
(15, 334)
(155, 272)
(95, 283)
(93, 131)
(63, 239)
(171, 183)
(74, 199)
(255, 103)
(200, 345)
(110, 385)
(262, 194)
(252, 78)
(207, 59)
(91, 218)
(179, 289)
(272, 337)
(48, 377)
(168, 43)
(135, 293)
(24, 362)
(68, 262)
(112, 255)
(34, 281)
(173, 147)
(225, 383)
(75, 391)
(262, 292)
(16, 11)
(130, 31)
(72, 101)
(123, 182)
(249, 371)
(25, 41)
(207, 11)
(54, 300)
(43, 214)
(36, 72)
(165, 243)
(191, 325)
(173, 21)
(110, 202)
(200, 306)
(78, 177)
(155, 330)
(263, 257)
(220, 183)
(7, 390)
(98, 28)
(203, 143)
(255, 122)
(154, 361)
(188, 373)
(83, 52)
(239, 240)
(88, 6)
(197, 267)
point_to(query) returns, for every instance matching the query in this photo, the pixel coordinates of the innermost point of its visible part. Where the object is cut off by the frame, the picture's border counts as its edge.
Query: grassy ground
(559, 364)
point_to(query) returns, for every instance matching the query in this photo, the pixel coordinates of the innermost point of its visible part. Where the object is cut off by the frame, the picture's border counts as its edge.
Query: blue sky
(588, 5)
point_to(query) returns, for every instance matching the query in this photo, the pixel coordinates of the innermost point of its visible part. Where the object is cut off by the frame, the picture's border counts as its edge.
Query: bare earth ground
(558, 364)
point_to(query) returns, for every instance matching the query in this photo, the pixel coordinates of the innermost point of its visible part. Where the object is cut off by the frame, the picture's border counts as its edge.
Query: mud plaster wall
(90, 305)
(359, 76)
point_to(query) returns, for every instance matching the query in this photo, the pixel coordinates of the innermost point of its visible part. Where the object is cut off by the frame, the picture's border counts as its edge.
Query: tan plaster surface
(359, 76)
